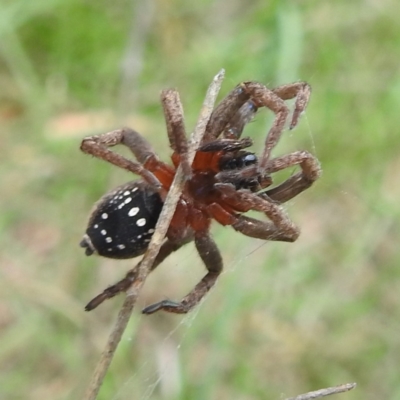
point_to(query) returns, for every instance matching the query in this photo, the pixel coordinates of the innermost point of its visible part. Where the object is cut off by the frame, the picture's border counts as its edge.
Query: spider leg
(124, 284)
(241, 104)
(212, 259)
(226, 145)
(274, 100)
(310, 172)
(264, 230)
(279, 227)
(243, 116)
(299, 90)
(98, 145)
(173, 113)
(224, 112)
(262, 96)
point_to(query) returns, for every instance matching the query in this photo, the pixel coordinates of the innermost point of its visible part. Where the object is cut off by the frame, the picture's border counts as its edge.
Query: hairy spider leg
(279, 227)
(262, 96)
(224, 113)
(240, 105)
(212, 259)
(274, 100)
(173, 113)
(243, 116)
(310, 172)
(124, 284)
(98, 145)
(225, 145)
(299, 90)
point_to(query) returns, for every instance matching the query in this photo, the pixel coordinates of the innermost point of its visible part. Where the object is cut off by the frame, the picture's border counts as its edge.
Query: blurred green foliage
(283, 319)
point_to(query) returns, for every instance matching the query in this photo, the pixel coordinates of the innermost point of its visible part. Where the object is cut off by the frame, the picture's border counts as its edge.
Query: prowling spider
(223, 182)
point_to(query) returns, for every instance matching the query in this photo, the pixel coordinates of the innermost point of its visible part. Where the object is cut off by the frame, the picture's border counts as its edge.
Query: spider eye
(242, 159)
(231, 164)
(249, 159)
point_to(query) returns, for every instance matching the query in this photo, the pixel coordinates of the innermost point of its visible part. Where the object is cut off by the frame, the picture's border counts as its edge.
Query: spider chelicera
(223, 183)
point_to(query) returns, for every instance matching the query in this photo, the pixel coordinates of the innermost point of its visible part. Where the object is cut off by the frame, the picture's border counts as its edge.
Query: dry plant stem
(155, 244)
(324, 392)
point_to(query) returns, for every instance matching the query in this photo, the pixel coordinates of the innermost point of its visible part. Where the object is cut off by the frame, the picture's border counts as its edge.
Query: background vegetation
(284, 318)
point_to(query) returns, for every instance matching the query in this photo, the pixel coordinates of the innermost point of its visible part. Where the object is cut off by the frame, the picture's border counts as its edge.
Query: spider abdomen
(123, 221)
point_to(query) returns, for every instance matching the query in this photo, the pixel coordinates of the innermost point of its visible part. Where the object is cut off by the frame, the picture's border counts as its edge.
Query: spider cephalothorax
(223, 183)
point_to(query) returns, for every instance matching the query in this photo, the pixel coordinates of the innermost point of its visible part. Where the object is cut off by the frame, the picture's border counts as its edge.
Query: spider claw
(166, 305)
(96, 301)
(295, 119)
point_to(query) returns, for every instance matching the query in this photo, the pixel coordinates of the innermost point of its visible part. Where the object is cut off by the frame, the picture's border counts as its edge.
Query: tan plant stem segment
(324, 392)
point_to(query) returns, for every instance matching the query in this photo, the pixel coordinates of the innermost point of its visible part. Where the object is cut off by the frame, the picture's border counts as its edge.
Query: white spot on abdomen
(133, 211)
(141, 222)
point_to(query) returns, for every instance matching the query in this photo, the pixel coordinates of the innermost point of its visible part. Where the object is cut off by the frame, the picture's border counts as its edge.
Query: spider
(223, 183)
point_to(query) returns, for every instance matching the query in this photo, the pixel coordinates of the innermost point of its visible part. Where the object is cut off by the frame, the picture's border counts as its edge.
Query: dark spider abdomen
(123, 221)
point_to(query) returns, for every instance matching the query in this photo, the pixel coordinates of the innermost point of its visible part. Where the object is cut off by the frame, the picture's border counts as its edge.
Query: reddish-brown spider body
(223, 183)
(201, 201)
